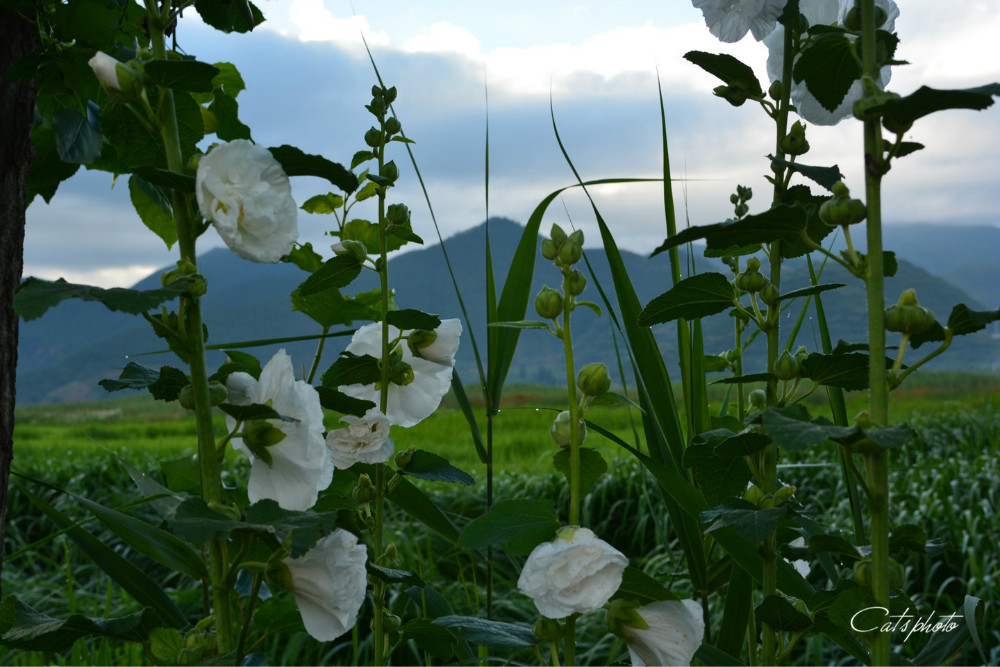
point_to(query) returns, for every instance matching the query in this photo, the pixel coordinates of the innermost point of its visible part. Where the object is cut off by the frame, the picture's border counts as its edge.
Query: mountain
(63, 354)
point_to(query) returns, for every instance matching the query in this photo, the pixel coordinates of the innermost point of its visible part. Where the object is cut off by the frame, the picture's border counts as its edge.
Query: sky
(464, 68)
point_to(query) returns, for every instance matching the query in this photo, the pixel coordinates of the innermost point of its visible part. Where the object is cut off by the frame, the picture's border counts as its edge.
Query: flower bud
(390, 170)
(390, 558)
(351, 247)
(120, 81)
(840, 209)
(897, 574)
(577, 237)
(576, 282)
(389, 94)
(184, 268)
(784, 494)
(373, 137)
(197, 285)
(570, 252)
(377, 106)
(735, 95)
(593, 379)
(795, 143)
(758, 399)
(397, 214)
(751, 280)
(549, 249)
(390, 622)
(392, 125)
(561, 431)
(754, 495)
(376, 90)
(774, 92)
(549, 303)
(186, 398)
(769, 294)
(400, 373)
(623, 614)
(908, 316)
(364, 491)
(786, 367)
(548, 629)
(403, 458)
(217, 392)
(863, 572)
(557, 234)
(278, 576)
(260, 434)
(418, 339)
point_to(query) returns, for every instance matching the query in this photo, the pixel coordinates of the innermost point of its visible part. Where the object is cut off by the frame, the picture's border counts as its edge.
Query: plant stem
(574, 442)
(211, 481)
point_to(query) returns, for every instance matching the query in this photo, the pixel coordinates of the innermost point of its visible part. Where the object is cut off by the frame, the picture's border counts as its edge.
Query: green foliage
(35, 296)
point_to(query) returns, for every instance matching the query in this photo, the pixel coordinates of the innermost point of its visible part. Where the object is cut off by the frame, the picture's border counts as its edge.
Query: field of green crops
(947, 482)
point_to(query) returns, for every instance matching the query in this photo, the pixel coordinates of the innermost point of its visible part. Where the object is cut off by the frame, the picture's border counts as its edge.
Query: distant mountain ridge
(63, 354)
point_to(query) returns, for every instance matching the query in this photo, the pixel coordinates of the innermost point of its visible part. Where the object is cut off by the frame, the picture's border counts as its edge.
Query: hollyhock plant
(121, 81)
(729, 20)
(364, 439)
(300, 465)
(244, 191)
(329, 583)
(573, 574)
(412, 397)
(823, 12)
(673, 632)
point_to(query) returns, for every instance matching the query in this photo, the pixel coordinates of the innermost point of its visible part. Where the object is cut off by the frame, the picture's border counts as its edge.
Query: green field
(947, 482)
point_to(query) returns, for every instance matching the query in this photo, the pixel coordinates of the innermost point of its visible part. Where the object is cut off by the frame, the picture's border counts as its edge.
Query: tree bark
(17, 107)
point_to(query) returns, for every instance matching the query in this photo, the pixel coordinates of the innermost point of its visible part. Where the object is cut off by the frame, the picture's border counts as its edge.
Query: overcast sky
(308, 78)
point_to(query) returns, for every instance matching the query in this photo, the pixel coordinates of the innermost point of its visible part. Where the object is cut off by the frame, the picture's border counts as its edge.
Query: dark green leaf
(182, 475)
(746, 379)
(732, 71)
(836, 545)
(700, 295)
(943, 646)
(430, 466)
(847, 371)
(790, 430)
(899, 114)
(166, 644)
(492, 634)
(331, 399)
(90, 23)
(352, 369)
(229, 79)
(154, 209)
(48, 170)
(592, 466)
(749, 522)
(825, 176)
(21, 627)
(335, 273)
(361, 157)
(391, 576)
(247, 362)
(521, 523)
(245, 413)
(434, 639)
(166, 178)
(639, 586)
(410, 318)
(305, 528)
(164, 384)
(521, 324)
(742, 444)
(778, 612)
(909, 537)
(35, 296)
(961, 322)
(719, 476)
(139, 145)
(304, 257)
(78, 138)
(829, 68)
(231, 16)
(809, 291)
(297, 163)
(188, 75)
(227, 113)
(783, 222)
(330, 307)
(908, 147)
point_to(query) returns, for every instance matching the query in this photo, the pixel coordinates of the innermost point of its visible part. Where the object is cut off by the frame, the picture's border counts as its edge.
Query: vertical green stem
(211, 481)
(574, 444)
(877, 377)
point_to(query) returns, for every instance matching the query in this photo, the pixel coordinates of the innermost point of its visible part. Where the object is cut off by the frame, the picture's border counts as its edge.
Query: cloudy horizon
(308, 77)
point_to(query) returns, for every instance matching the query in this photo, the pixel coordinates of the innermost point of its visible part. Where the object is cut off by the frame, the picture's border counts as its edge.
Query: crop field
(947, 482)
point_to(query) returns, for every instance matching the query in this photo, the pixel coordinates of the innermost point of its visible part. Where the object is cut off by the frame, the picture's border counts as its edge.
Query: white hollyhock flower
(675, 631)
(409, 403)
(364, 439)
(329, 583)
(823, 12)
(574, 573)
(244, 191)
(301, 466)
(729, 20)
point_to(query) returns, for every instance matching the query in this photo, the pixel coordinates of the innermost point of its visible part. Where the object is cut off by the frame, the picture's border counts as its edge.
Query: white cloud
(311, 21)
(444, 37)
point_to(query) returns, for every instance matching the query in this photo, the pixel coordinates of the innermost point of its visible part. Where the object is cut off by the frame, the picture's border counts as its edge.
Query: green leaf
(751, 523)
(961, 322)
(908, 147)
(908, 537)
(90, 23)
(35, 296)
(297, 163)
(78, 138)
(352, 369)
(245, 413)
(943, 646)
(783, 222)
(21, 627)
(521, 523)
(520, 324)
(231, 16)
(229, 79)
(430, 466)
(900, 114)
(836, 545)
(718, 475)
(777, 612)
(639, 586)
(165, 384)
(434, 639)
(154, 209)
(305, 528)
(323, 204)
(331, 399)
(825, 176)
(732, 71)
(494, 635)
(592, 466)
(335, 273)
(48, 170)
(138, 144)
(304, 257)
(182, 475)
(361, 157)
(847, 371)
(809, 291)
(700, 295)
(166, 178)
(391, 576)
(166, 644)
(132, 579)
(188, 75)
(330, 307)
(409, 318)
(227, 113)
(249, 363)
(829, 68)
(791, 429)
(746, 379)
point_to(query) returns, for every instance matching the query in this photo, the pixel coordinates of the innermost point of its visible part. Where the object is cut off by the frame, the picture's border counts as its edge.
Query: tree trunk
(17, 108)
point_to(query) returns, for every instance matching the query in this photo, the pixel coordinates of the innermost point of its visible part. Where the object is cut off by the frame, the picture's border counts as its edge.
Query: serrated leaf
(188, 75)
(909, 537)
(410, 318)
(392, 576)
(829, 68)
(899, 114)
(352, 369)
(639, 586)
(700, 295)
(304, 257)
(430, 466)
(908, 147)
(746, 379)
(847, 371)
(231, 16)
(335, 273)
(35, 296)
(751, 523)
(825, 176)
(732, 71)
(492, 634)
(778, 613)
(719, 475)
(836, 545)
(323, 204)
(521, 523)
(21, 627)
(331, 399)
(48, 170)
(78, 137)
(165, 384)
(227, 112)
(592, 466)
(361, 157)
(782, 222)
(166, 178)
(961, 322)
(434, 639)
(297, 163)
(245, 413)
(154, 209)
